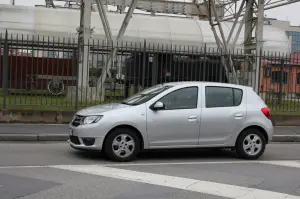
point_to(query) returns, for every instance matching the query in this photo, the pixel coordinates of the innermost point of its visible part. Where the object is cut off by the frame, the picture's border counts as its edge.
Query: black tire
(242, 154)
(108, 145)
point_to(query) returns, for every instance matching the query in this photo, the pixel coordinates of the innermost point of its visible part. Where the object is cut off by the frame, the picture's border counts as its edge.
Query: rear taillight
(266, 111)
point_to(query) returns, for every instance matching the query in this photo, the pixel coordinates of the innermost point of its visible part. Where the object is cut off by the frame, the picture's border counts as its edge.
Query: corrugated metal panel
(158, 29)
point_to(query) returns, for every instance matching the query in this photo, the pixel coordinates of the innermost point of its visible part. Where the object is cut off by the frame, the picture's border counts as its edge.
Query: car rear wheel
(250, 144)
(122, 145)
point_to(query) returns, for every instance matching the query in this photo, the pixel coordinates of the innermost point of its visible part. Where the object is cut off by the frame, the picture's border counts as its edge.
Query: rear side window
(216, 96)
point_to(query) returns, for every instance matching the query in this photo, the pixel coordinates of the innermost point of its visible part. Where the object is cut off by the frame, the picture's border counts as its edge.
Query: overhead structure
(190, 8)
(154, 6)
(49, 3)
(247, 13)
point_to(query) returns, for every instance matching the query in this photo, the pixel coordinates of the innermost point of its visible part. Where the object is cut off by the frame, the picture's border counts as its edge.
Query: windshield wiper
(125, 103)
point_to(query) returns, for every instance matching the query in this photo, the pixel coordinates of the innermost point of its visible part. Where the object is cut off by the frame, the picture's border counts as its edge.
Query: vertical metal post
(248, 45)
(144, 64)
(259, 41)
(75, 73)
(259, 68)
(5, 71)
(83, 38)
(248, 27)
(281, 79)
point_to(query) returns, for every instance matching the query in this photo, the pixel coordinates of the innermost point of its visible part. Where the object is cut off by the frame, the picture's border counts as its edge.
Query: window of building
(52, 54)
(298, 78)
(295, 41)
(185, 98)
(67, 55)
(276, 77)
(222, 96)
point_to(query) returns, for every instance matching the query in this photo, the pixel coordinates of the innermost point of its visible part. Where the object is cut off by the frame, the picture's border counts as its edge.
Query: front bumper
(78, 139)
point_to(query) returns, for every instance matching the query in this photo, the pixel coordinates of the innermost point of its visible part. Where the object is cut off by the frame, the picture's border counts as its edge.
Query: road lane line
(294, 164)
(205, 187)
(16, 167)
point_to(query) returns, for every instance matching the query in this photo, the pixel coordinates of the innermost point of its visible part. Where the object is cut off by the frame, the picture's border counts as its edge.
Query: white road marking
(178, 163)
(206, 187)
(16, 167)
(294, 164)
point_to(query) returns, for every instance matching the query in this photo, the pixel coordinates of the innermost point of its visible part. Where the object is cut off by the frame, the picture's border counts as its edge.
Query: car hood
(96, 110)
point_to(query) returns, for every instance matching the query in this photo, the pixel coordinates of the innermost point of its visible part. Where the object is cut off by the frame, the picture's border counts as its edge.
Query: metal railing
(43, 73)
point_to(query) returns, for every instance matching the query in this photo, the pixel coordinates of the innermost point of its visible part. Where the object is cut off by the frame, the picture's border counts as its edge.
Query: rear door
(223, 113)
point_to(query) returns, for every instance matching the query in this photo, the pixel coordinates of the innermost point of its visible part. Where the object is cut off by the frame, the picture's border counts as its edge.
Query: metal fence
(48, 73)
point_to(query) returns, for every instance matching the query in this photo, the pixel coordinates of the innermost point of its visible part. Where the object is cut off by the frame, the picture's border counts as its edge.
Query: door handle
(193, 117)
(239, 115)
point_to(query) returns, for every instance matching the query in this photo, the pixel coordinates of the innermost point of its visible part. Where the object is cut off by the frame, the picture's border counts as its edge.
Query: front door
(176, 125)
(222, 116)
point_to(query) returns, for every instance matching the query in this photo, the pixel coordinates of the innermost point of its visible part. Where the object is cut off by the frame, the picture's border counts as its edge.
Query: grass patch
(42, 100)
(285, 107)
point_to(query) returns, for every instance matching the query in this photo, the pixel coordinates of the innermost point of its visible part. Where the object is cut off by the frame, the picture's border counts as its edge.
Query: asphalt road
(63, 129)
(58, 153)
(55, 171)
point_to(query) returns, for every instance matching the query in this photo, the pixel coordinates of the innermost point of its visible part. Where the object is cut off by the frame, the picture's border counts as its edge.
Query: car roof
(193, 83)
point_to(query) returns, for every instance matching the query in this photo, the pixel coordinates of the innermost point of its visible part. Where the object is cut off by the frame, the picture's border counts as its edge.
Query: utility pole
(84, 34)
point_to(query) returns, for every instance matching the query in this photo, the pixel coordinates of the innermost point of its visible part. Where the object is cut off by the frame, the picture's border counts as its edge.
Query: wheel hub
(252, 144)
(123, 145)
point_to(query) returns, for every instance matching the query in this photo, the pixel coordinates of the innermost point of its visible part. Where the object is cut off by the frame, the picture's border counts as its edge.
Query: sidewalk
(59, 132)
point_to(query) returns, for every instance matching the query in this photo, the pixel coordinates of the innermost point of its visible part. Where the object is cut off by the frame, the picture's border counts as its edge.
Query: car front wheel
(122, 145)
(250, 144)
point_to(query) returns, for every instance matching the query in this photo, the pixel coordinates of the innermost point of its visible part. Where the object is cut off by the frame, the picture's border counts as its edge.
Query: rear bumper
(270, 133)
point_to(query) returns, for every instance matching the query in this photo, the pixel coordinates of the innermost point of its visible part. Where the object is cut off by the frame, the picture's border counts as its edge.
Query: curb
(286, 138)
(65, 137)
(34, 137)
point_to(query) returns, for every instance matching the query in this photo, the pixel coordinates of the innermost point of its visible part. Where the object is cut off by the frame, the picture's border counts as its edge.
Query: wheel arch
(261, 129)
(138, 133)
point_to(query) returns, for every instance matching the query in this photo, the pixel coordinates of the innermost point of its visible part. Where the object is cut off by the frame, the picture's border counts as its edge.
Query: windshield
(145, 95)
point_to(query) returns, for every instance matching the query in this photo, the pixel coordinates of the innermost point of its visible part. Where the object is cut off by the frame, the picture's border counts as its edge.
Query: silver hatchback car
(176, 115)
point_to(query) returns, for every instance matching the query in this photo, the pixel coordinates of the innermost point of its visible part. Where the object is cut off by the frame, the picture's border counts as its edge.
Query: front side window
(222, 96)
(145, 95)
(184, 98)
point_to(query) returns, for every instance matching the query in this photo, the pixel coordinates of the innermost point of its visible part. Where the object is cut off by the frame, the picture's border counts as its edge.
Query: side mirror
(158, 106)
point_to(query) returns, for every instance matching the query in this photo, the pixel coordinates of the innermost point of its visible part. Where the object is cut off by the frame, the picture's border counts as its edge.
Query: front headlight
(91, 119)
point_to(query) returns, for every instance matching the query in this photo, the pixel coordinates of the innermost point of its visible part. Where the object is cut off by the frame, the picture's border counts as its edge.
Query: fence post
(75, 66)
(259, 69)
(5, 71)
(144, 64)
(281, 78)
